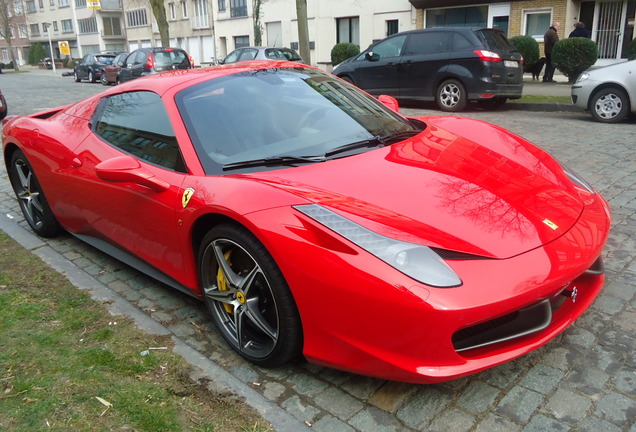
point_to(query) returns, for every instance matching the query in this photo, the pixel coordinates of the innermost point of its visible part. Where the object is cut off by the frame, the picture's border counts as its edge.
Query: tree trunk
(159, 11)
(303, 30)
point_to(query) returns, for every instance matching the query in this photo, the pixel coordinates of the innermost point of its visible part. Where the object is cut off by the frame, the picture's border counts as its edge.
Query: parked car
(284, 199)
(147, 61)
(91, 66)
(111, 72)
(261, 53)
(448, 65)
(4, 109)
(609, 92)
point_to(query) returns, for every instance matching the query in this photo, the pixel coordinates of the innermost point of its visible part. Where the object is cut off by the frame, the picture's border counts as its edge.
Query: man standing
(550, 38)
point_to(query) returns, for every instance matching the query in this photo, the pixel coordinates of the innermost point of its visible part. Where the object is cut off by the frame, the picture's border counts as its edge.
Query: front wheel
(610, 105)
(91, 78)
(76, 77)
(248, 297)
(451, 96)
(104, 80)
(32, 201)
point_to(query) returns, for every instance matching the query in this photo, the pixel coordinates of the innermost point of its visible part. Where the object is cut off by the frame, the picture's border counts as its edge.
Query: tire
(31, 197)
(609, 105)
(104, 80)
(451, 96)
(91, 77)
(248, 297)
(492, 104)
(76, 77)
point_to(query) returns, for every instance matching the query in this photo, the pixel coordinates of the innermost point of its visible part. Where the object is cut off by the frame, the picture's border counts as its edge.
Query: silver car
(609, 92)
(261, 53)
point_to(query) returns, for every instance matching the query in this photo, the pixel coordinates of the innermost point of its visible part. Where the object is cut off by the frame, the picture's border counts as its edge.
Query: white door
(274, 34)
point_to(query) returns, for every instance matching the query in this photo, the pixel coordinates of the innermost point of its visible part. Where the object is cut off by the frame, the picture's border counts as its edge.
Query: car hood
(461, 185)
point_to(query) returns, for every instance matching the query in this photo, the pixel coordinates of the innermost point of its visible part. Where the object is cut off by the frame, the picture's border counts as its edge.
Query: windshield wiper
(273, 161)
(376, 141)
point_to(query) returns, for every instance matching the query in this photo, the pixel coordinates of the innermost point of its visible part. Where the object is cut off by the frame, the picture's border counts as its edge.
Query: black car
(146, 61)
(91, 66)
(3, 106)
(449, 65)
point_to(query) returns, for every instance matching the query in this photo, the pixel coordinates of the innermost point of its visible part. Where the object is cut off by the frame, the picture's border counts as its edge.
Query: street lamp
(48, 31)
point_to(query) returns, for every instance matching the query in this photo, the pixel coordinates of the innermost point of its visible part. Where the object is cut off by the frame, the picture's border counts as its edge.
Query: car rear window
(169, 58)
(291, 55)
(104, 59)
(274, 54)
(494, 40)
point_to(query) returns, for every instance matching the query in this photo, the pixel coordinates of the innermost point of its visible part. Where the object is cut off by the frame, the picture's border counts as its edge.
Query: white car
(609, 92)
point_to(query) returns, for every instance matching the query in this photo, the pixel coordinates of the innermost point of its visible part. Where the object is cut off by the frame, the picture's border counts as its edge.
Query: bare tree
(303, 30)
(7, 12)
(258, 31)
(159, 11)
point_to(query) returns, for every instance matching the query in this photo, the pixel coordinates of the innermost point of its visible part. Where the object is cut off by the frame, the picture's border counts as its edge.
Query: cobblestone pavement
(584, 380)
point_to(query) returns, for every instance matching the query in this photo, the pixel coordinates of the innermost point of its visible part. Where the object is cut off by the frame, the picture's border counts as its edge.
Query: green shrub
(574, 55)
(529, 49)
(36, 53)
(342, 51)
(631, 51)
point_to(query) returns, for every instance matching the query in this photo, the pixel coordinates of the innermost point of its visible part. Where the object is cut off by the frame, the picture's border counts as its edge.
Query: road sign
(65, 49)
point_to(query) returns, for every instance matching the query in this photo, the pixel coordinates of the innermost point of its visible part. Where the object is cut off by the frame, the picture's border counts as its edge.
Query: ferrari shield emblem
(187, 195)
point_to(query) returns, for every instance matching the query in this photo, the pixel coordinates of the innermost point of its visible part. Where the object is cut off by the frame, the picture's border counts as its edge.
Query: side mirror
(128, 169)
(390, 102)
(121, 63)
(371, 56)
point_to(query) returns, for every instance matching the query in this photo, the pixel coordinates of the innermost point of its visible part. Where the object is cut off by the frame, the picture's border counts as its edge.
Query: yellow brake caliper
(221, 282)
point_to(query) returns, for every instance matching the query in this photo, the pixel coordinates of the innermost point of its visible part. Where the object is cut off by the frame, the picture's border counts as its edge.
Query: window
(241, 41)
(137, 123)
(18, 8)
(238, 8)
(348, 30)
(429, 43)
(184, 9)
(112, 26)
(41, 4)
(22, 28)
(173, 11)
(63, 3)
(80, 3)
(45, 27)
(5, 54)
(55, 28)
(536, 23)
(87, 25)
(30, 6)
(35, 29)
(472, 16)
(52, 4)
(392, 27)
(389, 48)
(137, 18)
(67, 26)
(201, 19)
(221, 5)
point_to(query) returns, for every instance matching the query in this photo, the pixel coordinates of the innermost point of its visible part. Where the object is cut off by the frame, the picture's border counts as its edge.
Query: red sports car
(313, 220)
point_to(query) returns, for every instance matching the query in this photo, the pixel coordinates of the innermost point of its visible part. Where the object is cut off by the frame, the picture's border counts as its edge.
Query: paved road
(584, 380)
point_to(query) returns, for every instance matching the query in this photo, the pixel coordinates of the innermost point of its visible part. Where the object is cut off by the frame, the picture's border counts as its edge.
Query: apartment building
(210, 29)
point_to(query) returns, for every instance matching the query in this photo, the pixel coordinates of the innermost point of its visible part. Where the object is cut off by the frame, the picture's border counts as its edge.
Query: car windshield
(169, 58)
(104, 59)
(283, 114)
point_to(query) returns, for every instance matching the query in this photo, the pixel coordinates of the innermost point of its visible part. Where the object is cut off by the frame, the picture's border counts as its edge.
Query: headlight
(583, 77)
(416, 261)
(577, 179)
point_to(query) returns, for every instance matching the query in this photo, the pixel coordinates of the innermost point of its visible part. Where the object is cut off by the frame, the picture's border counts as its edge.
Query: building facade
(210, 29)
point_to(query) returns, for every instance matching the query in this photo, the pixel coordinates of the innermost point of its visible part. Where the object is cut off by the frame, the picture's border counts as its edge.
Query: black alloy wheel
(32, 201)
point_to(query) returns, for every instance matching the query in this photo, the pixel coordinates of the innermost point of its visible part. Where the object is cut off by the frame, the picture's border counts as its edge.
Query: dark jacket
(581, 32)
(550, 38)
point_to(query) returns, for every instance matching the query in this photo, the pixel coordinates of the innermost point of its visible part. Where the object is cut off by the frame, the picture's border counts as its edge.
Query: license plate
(511, 63)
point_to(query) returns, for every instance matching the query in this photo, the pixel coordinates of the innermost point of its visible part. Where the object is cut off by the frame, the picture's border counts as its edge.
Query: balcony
(111, 5)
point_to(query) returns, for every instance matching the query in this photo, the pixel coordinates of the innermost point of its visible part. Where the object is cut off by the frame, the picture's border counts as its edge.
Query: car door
(129, 173)
(125, 72)
(82, 66)
(378, 71)
(425, 55)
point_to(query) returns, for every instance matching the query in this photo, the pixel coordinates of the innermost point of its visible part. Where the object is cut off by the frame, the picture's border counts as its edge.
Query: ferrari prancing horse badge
(187, 195)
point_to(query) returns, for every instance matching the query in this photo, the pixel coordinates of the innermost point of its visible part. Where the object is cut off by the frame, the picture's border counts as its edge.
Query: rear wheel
(76, 77)
(451, 96)
(91, 78)
(104, 80)
(32, 201)
(248, 297)
(610, 105)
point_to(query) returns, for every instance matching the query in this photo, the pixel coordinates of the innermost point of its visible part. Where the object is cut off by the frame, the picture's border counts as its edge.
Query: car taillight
(150, 63)
(489, 56)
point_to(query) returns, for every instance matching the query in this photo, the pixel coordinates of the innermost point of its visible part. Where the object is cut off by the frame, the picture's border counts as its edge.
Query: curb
(219, 379)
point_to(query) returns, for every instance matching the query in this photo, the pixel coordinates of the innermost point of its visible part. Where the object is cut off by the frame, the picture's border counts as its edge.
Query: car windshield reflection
(280, 112)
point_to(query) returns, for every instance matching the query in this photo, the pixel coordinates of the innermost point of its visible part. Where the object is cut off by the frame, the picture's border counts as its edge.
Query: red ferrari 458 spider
(313, 220)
